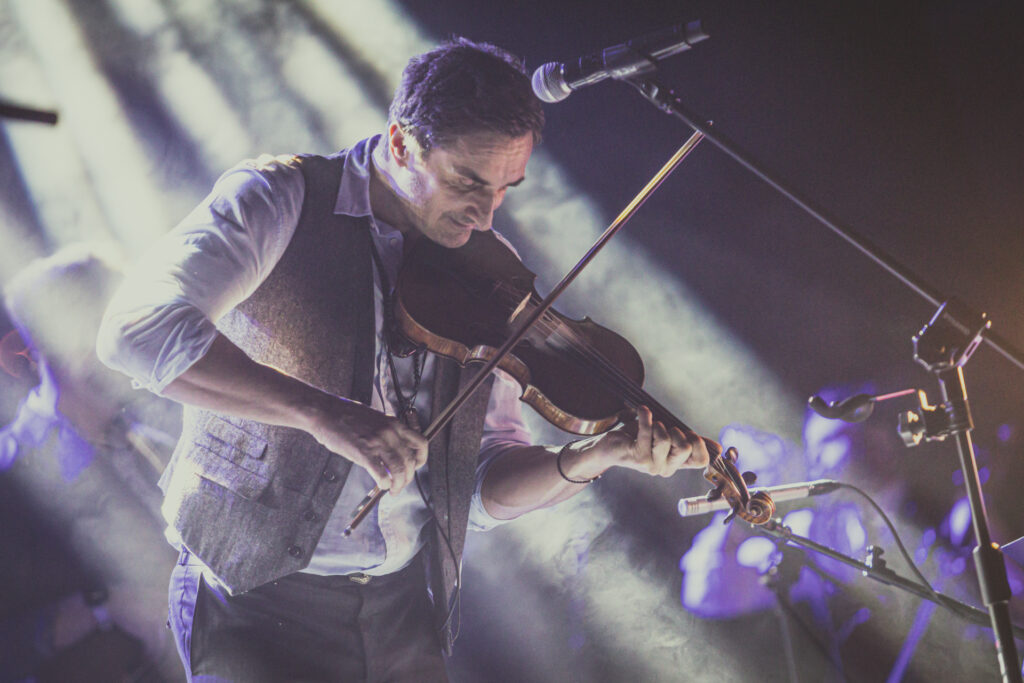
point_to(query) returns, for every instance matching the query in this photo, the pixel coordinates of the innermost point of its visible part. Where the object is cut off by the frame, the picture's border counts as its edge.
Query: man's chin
(460, 239)
(453, 239)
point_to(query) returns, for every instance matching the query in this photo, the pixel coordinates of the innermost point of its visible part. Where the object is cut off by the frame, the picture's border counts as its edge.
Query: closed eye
(469, 181)
(465, 185)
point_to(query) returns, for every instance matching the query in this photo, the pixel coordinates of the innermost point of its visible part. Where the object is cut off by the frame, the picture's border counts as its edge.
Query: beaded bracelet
(558, 464)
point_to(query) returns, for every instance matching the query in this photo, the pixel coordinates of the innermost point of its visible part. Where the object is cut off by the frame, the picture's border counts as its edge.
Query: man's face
(455, 189)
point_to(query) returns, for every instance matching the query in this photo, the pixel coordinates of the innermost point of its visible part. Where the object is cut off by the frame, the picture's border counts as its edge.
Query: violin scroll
(730, 484)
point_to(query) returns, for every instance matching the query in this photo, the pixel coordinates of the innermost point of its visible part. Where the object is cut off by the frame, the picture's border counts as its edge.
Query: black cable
(455, 601)
(409, 404)
(896, 537)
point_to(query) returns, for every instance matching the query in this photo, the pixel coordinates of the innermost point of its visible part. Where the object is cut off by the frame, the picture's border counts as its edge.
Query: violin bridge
(519, 308)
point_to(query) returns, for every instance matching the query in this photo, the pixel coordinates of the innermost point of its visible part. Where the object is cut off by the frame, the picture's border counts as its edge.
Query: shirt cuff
(156, 349)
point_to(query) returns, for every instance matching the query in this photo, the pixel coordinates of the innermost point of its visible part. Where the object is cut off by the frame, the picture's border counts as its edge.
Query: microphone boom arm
(884, 575)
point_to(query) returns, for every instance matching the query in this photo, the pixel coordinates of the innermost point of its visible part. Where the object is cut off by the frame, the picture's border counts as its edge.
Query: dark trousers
(305, 627)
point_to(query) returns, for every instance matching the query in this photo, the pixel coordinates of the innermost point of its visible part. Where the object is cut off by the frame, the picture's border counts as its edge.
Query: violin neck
(661, 413)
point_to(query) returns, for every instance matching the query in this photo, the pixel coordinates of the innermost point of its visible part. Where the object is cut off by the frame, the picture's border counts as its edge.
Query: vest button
(310, 516)
(330, 476)
(295, 551)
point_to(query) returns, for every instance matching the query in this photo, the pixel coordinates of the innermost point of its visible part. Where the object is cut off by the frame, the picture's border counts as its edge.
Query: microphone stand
(784, 610)
(668, 102)
(780, 578)
(877, 569)
(943, 346)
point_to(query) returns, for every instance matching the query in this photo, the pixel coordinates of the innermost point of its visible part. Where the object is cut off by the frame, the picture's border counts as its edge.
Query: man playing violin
(266, 312)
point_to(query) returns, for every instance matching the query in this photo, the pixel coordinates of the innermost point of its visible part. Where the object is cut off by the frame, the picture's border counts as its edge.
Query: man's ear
(398, 144)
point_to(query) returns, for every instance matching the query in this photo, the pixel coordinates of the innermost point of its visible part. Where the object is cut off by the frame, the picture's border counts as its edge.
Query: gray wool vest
(251, 500)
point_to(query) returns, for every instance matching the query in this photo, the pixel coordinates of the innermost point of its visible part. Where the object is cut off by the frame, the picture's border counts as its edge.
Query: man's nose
(486, 204)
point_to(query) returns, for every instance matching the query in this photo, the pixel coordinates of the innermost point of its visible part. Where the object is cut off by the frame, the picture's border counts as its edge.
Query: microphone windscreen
(549, 84)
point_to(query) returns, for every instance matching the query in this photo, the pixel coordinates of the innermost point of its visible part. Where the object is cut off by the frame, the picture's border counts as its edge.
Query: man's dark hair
(461, 88)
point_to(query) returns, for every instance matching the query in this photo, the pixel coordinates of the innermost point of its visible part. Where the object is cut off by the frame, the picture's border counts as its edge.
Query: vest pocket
(232, 457)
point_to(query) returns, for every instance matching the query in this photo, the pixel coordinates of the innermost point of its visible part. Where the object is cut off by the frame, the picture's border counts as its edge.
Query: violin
(464, 303)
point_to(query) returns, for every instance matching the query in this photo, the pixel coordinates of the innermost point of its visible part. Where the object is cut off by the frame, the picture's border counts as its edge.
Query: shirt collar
(354, 191)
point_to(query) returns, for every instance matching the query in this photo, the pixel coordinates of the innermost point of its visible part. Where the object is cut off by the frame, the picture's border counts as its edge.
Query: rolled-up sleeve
(162, 318)
(504, 431)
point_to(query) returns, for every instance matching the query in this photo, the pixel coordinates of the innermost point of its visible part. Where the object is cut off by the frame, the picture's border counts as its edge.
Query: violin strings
(609, 376)
(549, 324)
(588, 356)
(552, 326)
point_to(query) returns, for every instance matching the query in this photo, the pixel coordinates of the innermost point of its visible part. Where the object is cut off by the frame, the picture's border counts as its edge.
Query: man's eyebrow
(471, 175)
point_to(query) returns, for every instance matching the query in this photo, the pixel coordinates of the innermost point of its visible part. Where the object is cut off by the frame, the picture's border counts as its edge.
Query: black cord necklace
(396, 344)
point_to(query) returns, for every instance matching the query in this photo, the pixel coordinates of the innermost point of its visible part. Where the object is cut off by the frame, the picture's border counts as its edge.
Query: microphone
(699, 505)
(856, 408)
(553, 82)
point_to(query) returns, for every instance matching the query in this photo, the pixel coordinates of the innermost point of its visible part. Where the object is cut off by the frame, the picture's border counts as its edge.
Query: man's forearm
(227, 381)
(527, 478)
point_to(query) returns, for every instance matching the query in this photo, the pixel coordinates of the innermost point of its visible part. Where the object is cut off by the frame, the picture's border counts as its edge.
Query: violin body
(464, 303)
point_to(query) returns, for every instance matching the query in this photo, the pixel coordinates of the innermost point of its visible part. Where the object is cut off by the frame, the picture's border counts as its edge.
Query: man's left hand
(645, 445)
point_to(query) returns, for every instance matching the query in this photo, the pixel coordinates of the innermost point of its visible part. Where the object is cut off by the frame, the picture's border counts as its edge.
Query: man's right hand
(382, 445)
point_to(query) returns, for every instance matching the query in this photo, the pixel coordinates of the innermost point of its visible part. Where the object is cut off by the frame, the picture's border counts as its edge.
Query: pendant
(412, 419)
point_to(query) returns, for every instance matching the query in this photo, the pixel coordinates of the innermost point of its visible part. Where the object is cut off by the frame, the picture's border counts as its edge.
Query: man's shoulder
(269, 164)
(274, 174)
(273, 166)
(288, 176)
